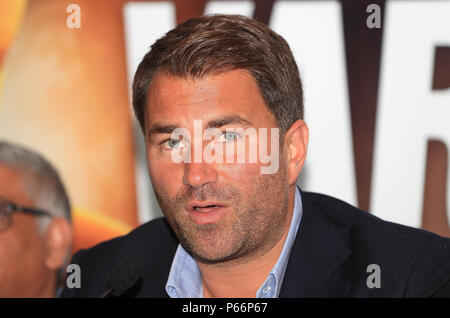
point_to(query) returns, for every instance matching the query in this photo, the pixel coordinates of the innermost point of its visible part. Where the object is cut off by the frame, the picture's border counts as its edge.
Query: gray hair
(41, 181)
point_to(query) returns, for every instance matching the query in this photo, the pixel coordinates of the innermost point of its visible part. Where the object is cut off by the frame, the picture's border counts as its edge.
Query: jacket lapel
(315, 264)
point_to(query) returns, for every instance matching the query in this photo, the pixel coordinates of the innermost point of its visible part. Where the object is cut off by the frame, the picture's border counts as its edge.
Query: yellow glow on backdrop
(91, 227)
(11, 12)
(65, 95)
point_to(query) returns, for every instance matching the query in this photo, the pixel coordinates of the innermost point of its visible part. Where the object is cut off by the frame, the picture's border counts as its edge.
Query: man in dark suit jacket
(235, 224)
(335, 244)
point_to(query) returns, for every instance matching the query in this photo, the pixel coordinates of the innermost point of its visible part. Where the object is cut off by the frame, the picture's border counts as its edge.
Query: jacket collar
(314, 267)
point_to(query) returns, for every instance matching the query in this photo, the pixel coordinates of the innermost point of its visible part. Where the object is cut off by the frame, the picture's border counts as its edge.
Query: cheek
(166, 176)
(242, 175)
(28, 238)
(21, 250)
(10, 245)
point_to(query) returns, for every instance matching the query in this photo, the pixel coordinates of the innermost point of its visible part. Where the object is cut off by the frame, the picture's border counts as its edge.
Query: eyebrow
(157, 128)
(228, 120)
(161, 129)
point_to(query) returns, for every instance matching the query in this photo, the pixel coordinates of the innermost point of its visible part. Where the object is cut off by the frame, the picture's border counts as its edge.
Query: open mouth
(205, 212)
(207, 208)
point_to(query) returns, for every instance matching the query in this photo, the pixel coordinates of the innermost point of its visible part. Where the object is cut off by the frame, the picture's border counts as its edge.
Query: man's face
(219, 211)
(22, 268)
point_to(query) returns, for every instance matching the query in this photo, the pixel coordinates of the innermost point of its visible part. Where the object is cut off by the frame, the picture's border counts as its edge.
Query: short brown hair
(213, 44)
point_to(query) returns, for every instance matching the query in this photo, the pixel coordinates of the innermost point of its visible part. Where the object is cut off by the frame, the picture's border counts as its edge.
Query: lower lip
(209, 216)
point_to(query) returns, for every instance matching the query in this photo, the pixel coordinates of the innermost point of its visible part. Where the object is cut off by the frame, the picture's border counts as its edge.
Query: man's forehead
(9, 172)
(12, 183)
(231, 85)
(233, 93)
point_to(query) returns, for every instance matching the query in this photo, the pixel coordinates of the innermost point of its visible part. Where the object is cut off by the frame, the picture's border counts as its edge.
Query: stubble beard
(252, 226)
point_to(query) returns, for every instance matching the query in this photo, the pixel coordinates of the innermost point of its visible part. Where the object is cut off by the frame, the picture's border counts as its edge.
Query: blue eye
(172, 143)
(229, 136)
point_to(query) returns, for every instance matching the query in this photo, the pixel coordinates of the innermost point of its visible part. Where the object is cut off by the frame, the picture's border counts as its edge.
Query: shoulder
(363, 223)
(418, 258)
(151, 236)
(153, 243)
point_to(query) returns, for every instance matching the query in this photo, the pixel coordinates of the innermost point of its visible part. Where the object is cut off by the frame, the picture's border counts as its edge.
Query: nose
(197, 175)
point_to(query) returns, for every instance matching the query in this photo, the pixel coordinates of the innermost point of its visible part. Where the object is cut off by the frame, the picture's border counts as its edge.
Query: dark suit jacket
(335, 244)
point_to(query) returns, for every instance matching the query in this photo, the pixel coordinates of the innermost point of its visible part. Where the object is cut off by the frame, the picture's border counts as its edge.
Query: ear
(296, 146)
(58, 242)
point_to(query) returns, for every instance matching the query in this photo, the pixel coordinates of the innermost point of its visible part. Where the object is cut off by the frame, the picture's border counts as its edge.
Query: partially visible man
(35, 228)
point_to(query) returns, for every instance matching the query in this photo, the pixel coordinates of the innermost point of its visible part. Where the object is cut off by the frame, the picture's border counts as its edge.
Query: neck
(243, 279)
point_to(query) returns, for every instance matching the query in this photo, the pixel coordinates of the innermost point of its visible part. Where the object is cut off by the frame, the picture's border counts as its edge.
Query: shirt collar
(185, 278)
(272, 285)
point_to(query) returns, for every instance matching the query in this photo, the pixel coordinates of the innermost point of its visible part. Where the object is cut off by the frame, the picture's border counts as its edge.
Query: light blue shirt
(185, 278)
